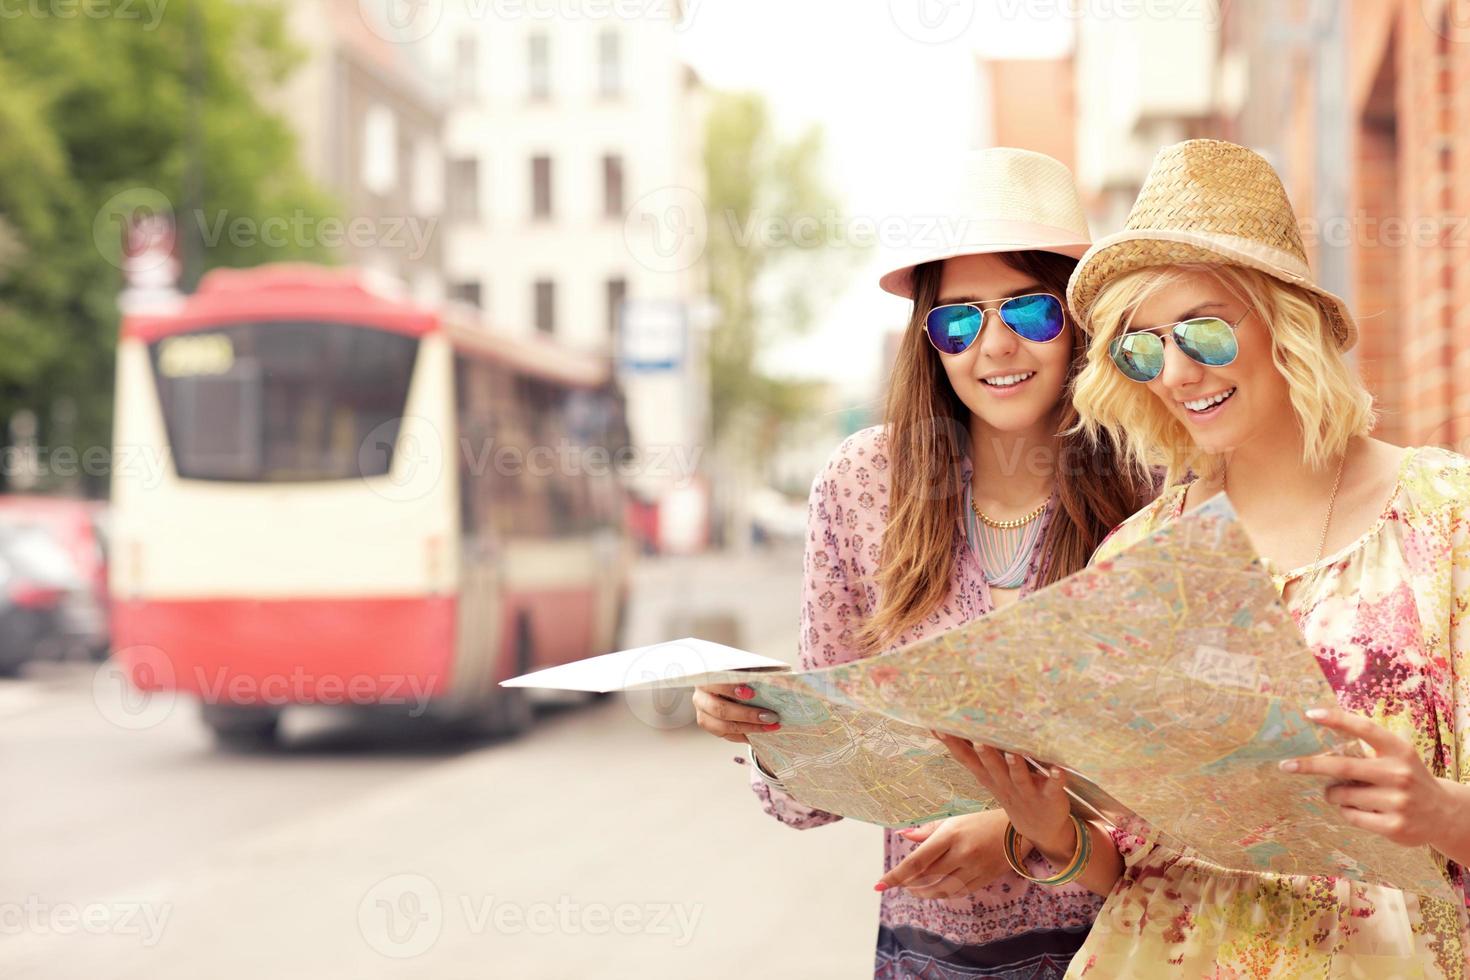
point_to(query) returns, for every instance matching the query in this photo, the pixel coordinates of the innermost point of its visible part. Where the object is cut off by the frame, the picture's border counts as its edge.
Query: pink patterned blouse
(1012, 928)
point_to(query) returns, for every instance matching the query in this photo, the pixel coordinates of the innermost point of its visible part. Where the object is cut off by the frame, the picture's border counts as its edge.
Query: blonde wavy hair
(1329, 401)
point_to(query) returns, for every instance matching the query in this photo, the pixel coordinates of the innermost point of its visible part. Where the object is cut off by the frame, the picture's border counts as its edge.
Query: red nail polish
(744, 692)
(880, 887)
(776, 727)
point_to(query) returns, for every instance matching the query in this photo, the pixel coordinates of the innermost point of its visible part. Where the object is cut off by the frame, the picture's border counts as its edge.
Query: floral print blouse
(1012, 928)
(1387, 617)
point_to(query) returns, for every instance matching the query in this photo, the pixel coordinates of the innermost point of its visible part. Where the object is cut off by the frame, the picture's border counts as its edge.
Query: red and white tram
(326, 495)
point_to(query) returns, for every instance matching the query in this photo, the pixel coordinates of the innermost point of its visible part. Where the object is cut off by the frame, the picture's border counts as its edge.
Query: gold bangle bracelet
(1074, 868)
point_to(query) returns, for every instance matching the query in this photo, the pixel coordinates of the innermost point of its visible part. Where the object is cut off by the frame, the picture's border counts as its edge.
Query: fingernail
(880, 886)
(744, 692)
(768, 716)
(773, 728)
(1316, 714)
(1290, 765)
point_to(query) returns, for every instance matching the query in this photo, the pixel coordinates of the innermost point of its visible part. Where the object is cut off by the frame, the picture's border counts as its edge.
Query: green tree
(768, 259)
(94, 107)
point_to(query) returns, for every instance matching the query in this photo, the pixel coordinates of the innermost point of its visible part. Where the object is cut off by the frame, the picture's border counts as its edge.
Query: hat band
(1290, 266)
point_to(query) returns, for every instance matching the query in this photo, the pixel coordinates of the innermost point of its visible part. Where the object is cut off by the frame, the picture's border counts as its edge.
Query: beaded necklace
(1003, 548)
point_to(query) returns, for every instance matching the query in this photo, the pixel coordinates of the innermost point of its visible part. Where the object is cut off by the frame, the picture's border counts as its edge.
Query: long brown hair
(928, 431)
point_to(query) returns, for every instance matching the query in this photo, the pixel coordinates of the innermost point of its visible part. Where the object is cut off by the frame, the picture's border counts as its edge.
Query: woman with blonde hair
(965, 498)
(1214, 355)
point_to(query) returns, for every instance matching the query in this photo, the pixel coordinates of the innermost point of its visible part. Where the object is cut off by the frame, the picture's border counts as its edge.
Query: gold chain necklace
(1005, 525)
(1331, 502)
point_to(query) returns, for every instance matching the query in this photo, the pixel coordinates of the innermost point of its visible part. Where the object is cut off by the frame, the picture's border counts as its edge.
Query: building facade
(575, 174)
(369, 121)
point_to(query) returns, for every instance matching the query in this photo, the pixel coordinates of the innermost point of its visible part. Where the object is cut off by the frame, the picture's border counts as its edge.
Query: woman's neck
(1269, 472)
(1014, 469)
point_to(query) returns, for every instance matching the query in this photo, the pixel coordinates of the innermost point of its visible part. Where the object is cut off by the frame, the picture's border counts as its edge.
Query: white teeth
(1005, 381)
(1200, 404)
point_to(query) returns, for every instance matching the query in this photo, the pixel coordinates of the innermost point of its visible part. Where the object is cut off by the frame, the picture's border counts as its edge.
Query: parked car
(75, 528)
(39, 597)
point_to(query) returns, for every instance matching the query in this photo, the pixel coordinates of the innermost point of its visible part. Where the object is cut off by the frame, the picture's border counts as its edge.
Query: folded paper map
(1168, 681)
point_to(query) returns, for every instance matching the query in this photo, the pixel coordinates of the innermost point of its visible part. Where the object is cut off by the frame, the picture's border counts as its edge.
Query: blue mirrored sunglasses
(1207, 340)
(1037, 317)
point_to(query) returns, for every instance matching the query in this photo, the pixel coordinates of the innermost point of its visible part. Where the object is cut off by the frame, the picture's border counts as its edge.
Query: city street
(596, 845)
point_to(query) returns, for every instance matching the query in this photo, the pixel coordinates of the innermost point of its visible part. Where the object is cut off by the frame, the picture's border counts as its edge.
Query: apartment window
(617, 292)
(545, 306)
(428, 177)
(610, 63)
(467, 66)
(464, 188)
(539, 64)
(379, 150)
(466, 291)
(612, 186)
(541, 187)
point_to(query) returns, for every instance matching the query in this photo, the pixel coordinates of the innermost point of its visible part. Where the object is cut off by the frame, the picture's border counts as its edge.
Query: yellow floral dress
(1387, 617)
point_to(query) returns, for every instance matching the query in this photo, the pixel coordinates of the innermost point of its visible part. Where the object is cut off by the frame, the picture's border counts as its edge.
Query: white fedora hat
(999, 200)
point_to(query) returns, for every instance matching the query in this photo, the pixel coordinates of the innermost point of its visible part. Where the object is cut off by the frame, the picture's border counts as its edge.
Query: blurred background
(359, 355)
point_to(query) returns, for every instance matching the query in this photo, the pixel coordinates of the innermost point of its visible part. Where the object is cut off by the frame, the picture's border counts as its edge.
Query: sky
(895, 85)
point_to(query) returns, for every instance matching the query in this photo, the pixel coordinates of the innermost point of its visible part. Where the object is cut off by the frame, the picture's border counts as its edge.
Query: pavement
(612, 840)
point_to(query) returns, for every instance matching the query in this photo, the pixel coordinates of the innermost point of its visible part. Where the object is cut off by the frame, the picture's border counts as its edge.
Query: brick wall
(1409, 102)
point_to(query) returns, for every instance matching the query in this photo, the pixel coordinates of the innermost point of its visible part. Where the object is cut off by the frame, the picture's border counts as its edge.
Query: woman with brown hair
(967, 497)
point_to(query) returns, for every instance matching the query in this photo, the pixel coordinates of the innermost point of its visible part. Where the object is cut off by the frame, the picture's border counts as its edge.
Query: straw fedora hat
(1208, 201)
(997, 200)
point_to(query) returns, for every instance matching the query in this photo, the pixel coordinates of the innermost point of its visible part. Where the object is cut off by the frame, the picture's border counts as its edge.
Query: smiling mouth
(1201, 405)
(1008, 380)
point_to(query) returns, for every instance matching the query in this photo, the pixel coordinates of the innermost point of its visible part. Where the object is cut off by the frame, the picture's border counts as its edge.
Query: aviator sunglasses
(1208, 340)
(1036, 317)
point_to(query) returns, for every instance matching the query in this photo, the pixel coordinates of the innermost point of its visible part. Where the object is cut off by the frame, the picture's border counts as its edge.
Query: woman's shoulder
(859, 461)
(1433, 480)
(1145, 522)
